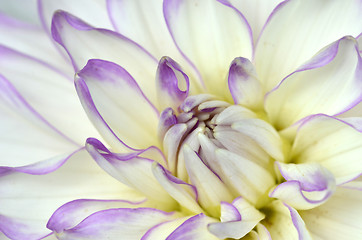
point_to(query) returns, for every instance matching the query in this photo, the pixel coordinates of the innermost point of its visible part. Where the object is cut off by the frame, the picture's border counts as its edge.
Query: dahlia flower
(189, 119)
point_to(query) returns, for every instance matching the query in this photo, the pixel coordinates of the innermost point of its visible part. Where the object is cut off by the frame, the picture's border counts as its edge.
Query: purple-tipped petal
(211, 34)
(195, 228)
(307, 185)
(185, 194)
(289, 38)
(105, 90)
(299, 224)
(244, 85)
(172, 84)
(166, 121)
(330, 83)
(81, 42)
(72, 213)
(131, 169)
(113, 223)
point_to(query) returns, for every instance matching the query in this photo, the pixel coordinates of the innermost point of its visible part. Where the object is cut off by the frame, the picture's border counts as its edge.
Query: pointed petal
(30, 200)
(296, 30)
(211, 190)
(132, 170)
(185, 194)
(335, 144)
(113, 223)
(234, 227)
(244, 85)
(329, 83)
(339, 218)
(81, 42)
(195, 228)
(211, 34)
(172, 84)
(119, 101)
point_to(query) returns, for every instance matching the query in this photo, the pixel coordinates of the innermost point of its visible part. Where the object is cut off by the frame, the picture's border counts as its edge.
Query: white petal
(339, 218)
(329, 83)
(120, 103)
(211, 34)
(211, 190)
(132, 170)
(296, 30)
(244, 176)
(24, 11)
(49, 91)
(31, 199)
(82, 43)
(307, 185)
(333, 143)
(161, 231)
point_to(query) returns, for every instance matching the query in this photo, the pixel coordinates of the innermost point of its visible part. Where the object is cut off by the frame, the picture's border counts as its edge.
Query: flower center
(232, 151)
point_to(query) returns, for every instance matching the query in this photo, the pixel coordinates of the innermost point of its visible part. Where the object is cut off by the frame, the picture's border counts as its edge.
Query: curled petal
(172, 84)
(307, 185)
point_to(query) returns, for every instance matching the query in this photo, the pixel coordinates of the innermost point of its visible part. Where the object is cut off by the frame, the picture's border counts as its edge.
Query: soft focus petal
(30, 200)
(132, 170)
(111, 88)
(333, 143)
(113, 223)
(31, 40)
(296, 30)
(339, 218)
(26, 137)
(211, 34)
(306, 186)
(81, 41)
(329, 83)
(49, 91)
(244, 85)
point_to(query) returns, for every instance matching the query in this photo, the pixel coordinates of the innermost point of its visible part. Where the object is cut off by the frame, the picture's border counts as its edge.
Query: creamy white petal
(243, 176)
(339, 218)
(81, 41)
(31, 199)
(211, 190)
(110, 89)
(333, 143)
(162, 230)
(211, 34)
(296, 30)
(329, 83)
